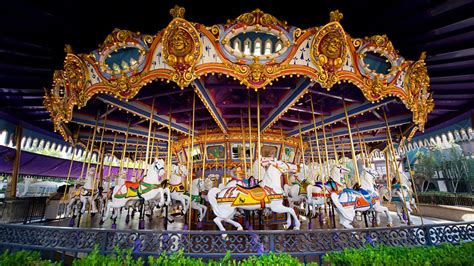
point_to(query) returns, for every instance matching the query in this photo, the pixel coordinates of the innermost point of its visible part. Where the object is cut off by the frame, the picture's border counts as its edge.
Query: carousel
(214, 127)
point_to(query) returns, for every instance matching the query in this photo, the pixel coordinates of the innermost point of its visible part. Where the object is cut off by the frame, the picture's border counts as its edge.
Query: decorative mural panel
(288, 154)
(271, 151)
(215, 152)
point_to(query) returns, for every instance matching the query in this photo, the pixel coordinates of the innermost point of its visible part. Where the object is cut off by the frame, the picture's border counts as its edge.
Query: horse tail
(212, 198)
(335, 201)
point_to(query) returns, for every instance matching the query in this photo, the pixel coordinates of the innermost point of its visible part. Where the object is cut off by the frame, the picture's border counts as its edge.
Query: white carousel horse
(73, 200)
(317, 193)
(178, 177)
(403, 206)
(349, 200)
(269, 194)
(149, 188)
(295, 191)
(198, 187)
(89, 192)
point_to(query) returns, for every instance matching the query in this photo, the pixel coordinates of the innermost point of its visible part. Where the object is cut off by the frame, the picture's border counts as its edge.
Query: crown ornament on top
(335, 16)
(177, 11)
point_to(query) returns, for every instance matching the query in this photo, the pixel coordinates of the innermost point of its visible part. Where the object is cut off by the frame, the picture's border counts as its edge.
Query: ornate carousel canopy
(132, 77)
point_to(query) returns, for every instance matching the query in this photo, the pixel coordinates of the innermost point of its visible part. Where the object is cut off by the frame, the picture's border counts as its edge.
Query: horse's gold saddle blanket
(251, 196)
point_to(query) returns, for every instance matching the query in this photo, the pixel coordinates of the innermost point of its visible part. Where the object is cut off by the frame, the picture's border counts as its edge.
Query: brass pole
(412, 179)
(135, 164)
(190, 151)
(168, 156)
(387, 169)
(73, 145)
(149, 132)
(394, 162)
(343, 155)
(258, 136)
(92, 143)
(150, 159)
(250, 135)
(99, 164)
(302, 146)
(244, 148)
(124, 148)
(192, 161)
(360, 144)
(354, 160)
(86, 153)
(336, 158)
(205, 154)
(323, 178)
(282, 143)
(110, 166)
(325, 144)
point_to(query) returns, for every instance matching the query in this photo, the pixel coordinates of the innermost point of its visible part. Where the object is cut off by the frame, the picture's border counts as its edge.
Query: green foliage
(24, 258)
(118, 258)
(446, 254)
(176, 259)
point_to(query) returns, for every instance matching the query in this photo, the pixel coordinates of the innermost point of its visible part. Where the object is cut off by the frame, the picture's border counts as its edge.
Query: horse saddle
(177, 188)
(133, 188)
(365, 199)
(303, 187)
(253, 195)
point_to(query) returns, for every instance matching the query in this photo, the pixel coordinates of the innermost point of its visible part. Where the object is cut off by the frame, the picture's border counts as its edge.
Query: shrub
(118, 258)
(445, 254)
(24, 258)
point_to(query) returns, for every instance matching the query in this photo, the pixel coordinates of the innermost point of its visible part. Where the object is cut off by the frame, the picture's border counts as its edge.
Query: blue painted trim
(211, 103)
(117, 128)
(145, 113)
(401, 121)
(336, 117)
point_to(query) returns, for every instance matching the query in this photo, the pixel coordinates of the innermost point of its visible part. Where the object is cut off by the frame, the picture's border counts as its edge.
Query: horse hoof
(93, 214)
(225, 237)
(285, 227)
(389, 225)
(296, 228)
(240, 228)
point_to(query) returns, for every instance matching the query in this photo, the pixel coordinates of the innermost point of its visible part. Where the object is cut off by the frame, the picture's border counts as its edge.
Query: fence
(66, 243)
(22, 210)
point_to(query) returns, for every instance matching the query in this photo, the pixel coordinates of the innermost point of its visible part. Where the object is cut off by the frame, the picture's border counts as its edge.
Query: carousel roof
(32, 48)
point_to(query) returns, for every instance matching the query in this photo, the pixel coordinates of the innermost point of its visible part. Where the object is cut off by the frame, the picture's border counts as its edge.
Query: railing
(22, 210)
(453, 200)
(61, 242)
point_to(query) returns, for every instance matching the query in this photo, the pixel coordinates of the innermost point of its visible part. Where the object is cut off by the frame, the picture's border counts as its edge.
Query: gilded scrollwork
(256, 75)
(182, 50)
(178, 51)
(419, 100)
(257, 17)
(328, 49)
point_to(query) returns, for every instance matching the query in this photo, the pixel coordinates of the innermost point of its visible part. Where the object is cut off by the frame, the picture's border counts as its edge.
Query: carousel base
(158, 223)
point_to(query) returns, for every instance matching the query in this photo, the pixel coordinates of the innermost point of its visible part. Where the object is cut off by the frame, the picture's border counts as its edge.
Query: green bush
(119, 258)
(446, 254)
(24, 258)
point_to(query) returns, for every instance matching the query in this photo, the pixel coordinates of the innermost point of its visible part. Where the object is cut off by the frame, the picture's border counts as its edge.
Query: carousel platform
(179, 223)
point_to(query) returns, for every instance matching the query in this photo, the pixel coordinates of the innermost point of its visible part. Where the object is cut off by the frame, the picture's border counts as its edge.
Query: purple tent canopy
(37, 164)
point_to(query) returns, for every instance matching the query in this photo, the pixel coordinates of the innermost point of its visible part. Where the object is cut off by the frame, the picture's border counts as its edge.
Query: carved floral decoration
(328, 49)
(181, 48)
